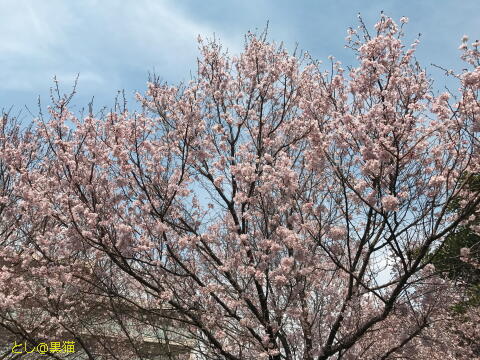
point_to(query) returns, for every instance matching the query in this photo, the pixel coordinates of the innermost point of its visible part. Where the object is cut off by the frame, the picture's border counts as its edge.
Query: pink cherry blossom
(390, 203)
(272, 207)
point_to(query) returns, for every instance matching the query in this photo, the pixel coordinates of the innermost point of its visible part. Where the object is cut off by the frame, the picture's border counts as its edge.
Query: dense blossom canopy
(268, 209)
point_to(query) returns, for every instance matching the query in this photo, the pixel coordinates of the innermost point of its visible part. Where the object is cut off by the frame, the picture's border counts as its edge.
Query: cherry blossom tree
(267, 209)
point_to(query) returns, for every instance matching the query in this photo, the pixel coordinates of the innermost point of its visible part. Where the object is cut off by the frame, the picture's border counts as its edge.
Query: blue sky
(114, 44)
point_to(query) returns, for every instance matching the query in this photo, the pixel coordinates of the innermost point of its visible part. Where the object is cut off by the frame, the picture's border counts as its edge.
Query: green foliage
(447, 259)
(472, 298)
(473, 184)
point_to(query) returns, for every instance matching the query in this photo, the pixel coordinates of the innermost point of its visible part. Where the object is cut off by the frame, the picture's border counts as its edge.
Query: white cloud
(104, 41)
(32, 28)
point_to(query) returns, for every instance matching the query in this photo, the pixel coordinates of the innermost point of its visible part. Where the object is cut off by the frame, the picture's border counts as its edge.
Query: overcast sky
(114, 44)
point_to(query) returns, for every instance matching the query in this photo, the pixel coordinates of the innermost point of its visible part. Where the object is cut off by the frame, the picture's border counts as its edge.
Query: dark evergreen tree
(448, 259)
